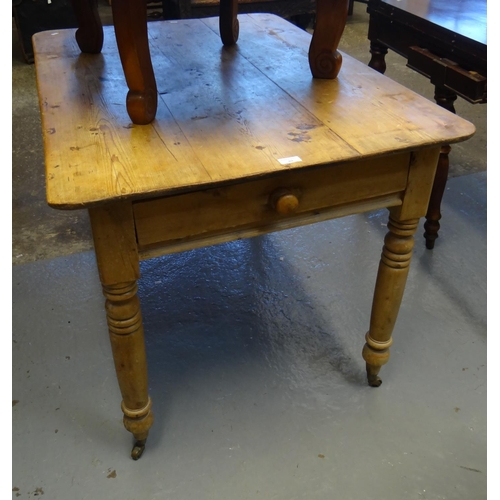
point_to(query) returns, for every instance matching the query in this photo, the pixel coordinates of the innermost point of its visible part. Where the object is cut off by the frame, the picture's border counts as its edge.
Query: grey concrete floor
(254, 351)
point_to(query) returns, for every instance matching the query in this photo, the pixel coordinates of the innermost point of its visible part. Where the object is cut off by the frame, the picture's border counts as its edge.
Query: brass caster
(374, 381)
(138, 450)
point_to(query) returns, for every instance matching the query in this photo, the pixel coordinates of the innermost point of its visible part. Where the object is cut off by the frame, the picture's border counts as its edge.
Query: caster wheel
(374, 381)
(138, 450)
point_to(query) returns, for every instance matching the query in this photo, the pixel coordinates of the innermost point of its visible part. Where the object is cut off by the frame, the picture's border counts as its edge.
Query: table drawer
(266, 203)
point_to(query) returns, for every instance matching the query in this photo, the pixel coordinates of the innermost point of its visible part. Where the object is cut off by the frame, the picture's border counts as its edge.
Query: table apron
(201, 218)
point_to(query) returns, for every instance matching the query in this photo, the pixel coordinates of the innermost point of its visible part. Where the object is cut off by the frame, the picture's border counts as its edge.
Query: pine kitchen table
(245, 142)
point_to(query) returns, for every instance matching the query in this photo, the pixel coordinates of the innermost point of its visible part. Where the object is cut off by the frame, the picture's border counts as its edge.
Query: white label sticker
(291, 159)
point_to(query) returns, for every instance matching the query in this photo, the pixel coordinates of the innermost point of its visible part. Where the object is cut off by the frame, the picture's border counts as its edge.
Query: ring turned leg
(89, 35)
(118, 262)
(324, 58)
(130, 20)
(445, 98)
(389, 289)
(377, 61)
(229, 26)
(127, 343)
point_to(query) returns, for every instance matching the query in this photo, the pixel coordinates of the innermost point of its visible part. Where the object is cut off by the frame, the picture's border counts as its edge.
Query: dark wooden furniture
(130, 22)
(31, 17)
(444, 41)
(245, 142)
(300, 12)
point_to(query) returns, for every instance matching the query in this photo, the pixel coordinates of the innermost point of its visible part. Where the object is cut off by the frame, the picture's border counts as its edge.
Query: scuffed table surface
(246, 107)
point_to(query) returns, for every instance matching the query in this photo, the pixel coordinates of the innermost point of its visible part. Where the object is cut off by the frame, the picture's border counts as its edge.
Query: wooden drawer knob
(284, 201)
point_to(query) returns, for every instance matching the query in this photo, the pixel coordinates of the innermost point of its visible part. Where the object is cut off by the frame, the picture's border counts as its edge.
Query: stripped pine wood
(260, 228)
(223, 114)
(223, 208)
(244, 142)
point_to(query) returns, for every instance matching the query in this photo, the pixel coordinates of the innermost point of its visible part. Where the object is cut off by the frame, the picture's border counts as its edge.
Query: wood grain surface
(225, 114)
(210, 212)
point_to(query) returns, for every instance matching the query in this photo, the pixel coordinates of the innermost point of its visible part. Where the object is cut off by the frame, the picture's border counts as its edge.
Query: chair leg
(324, 59)
(229, 26)
(89, 35)
(130, 20)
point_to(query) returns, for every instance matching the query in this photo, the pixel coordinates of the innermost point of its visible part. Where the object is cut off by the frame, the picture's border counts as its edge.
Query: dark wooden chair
(130, 22)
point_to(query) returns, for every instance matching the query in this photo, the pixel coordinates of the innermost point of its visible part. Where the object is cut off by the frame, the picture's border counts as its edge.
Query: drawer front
(259, 203)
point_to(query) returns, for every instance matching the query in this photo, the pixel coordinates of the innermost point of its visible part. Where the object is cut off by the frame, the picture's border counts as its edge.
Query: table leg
(351, 8)
(118, 263)
(445, 98)
(389, 289)
(377, 61)
(89, 34)
(229, 26)
(324, 59)
(130, 21)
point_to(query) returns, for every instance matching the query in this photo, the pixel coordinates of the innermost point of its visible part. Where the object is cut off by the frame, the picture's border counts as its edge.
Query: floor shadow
(231, 306)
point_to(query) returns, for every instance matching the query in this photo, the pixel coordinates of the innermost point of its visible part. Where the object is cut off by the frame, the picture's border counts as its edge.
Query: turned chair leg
(325, 60)
(130, 20)
(445, 98)
(389, 289)
(89, 34)
(118, 262)
(229, 26)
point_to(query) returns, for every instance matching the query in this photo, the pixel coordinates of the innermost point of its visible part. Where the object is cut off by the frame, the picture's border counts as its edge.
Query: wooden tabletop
(224, 114)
